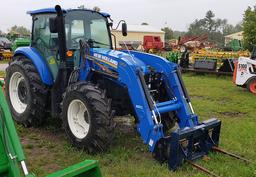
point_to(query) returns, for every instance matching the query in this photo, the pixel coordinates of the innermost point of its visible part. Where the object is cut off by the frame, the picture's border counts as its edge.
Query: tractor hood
(114, 58)
(135, 59)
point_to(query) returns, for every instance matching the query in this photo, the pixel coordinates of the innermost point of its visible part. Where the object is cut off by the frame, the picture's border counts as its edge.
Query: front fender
(39, 62)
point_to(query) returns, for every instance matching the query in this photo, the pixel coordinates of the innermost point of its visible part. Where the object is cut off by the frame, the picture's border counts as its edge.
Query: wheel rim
(18, 92)
(78, 119)
(253, 87)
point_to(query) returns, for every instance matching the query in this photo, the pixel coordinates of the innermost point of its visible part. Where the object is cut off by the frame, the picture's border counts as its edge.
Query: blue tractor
(72, 72)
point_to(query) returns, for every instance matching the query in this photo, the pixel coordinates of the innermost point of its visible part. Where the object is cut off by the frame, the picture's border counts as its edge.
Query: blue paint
(38, 61)
(128, 63)
(169, 71)
(52, 10)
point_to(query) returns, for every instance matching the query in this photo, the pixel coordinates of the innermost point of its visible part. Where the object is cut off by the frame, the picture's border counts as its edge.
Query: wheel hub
(18, 92)
(22, 92)
(78, 118)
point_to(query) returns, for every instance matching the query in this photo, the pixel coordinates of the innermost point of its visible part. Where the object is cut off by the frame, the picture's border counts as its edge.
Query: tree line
(16, 31)
(217, 29)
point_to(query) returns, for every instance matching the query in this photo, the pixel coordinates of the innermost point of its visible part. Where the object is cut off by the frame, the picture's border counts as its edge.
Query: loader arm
(130, 69)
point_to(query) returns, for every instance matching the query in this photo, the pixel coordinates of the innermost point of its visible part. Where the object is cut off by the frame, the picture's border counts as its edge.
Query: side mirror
(53, 25)
(124, 29)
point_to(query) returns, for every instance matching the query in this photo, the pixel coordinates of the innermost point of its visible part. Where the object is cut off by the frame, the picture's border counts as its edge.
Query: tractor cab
(80, 24)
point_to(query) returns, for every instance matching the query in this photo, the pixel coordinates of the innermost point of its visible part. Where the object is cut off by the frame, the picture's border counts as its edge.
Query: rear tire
(251, 85)
(25, 92)
(87, 117)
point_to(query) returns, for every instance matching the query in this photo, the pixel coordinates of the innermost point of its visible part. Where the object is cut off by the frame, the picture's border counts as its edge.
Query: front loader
(72, 72)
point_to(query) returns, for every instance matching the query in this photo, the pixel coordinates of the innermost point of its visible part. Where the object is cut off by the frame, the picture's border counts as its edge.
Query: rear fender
(39, 62)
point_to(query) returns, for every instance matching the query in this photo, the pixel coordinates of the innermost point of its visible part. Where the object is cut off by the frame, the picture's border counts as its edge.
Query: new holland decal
(106, 60)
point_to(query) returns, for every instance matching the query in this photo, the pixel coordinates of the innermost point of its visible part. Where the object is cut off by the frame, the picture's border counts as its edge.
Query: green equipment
(20, 42)
(11, 153)
(173, 56)
(235, 45)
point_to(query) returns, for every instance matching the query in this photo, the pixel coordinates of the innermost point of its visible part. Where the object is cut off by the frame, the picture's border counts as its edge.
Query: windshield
(86, 25)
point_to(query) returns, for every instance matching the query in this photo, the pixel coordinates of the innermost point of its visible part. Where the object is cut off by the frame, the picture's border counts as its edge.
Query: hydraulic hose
(146, 91)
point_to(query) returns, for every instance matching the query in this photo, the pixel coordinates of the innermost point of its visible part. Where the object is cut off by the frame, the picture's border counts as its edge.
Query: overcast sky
(177, 14)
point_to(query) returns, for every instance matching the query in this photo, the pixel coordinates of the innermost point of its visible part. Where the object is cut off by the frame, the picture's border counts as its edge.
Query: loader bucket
(88, 168)
(193, 143)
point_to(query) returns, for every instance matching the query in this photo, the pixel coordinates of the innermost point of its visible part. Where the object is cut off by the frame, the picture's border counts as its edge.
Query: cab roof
(52, 10)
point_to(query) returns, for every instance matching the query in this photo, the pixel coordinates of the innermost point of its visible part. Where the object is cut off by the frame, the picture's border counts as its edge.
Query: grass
(47, 149)
(2, 74)
(4, 61)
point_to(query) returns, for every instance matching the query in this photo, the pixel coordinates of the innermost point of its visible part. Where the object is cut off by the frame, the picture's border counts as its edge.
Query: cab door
(45, 42)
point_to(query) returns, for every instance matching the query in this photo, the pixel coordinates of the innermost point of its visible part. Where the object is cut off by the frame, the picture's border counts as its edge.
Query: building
(136, 34)
(230, 37)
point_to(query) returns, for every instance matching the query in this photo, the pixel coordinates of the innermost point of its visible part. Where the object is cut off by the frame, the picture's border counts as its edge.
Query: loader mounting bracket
(188, 143)
(193, 143)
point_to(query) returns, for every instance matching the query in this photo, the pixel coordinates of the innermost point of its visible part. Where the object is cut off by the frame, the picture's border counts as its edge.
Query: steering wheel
(76, 40)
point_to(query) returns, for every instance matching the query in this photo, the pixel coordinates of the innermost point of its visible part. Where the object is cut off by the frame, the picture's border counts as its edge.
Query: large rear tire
(25, 92)
(87, 117)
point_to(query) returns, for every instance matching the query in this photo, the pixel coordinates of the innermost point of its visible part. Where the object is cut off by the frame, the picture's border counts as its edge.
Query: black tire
(100, 117)
(36, 92)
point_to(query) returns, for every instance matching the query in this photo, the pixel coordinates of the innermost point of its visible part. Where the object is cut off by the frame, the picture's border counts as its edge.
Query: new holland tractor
(72, 71)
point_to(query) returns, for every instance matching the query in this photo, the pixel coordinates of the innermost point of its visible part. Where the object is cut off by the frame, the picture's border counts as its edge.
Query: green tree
(197, 28)
(168, 33)
(177, 34)
(249, 26)
(238, 27)
(144, 23)
(215, 28)
(209, 23)
(229, 29)
(21, 30)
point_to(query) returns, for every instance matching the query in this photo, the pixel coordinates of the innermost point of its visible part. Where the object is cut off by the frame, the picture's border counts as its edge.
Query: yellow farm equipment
(209, 61)
(219, 55)
(5, 54)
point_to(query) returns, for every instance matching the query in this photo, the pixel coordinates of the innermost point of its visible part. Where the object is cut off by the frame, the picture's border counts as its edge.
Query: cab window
(43, 40)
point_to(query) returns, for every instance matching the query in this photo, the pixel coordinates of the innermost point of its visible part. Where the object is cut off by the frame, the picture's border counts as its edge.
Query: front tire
(26, 94)
(87, 117)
